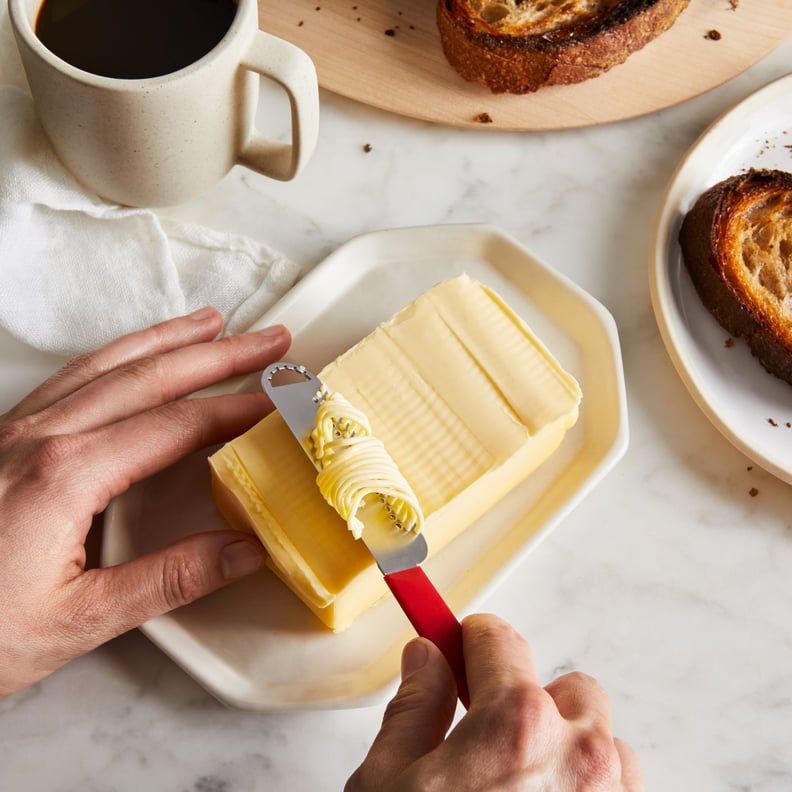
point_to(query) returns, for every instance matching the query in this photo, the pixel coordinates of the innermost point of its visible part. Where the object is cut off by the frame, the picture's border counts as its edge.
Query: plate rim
(664, 305)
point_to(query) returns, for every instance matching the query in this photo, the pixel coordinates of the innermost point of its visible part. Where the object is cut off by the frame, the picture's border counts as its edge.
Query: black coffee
(133, 39)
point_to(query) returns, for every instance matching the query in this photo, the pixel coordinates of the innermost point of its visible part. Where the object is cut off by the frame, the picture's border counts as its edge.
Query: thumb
(108, 602)
(416, 719)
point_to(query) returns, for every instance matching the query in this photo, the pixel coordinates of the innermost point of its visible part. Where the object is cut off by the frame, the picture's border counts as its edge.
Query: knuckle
(597, 760)
(75, 622)
(373, 775)
(230, 352)
(41, 464)
(86, 364)
(16, 432)
(530, 706)
(183, 423)
(581, 679)
(158, 334)
(515, 718)
(184, 579)
(144, 373)
(358, 781)
(407, 698)
(48, 456)
(81, 368)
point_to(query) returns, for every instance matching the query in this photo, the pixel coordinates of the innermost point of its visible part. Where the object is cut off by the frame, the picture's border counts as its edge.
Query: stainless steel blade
(297, 401)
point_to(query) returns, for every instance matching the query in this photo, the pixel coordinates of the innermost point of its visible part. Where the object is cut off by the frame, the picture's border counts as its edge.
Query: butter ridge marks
(465, 400)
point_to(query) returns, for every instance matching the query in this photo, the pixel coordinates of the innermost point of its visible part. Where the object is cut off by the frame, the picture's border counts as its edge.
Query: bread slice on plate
(737, 245)
(518, 46)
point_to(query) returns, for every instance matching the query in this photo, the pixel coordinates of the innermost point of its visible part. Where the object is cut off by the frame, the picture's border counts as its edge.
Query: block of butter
(467, 401)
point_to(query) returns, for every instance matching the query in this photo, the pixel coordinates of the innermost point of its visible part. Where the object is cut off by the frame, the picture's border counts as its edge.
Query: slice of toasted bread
(518, 46)
(737, 245)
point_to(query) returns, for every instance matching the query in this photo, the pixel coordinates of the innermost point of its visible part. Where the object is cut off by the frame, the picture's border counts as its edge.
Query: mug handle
(294, 71)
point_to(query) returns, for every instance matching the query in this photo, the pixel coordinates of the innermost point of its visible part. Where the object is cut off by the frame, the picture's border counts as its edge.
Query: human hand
(516, 735)
(103, 422)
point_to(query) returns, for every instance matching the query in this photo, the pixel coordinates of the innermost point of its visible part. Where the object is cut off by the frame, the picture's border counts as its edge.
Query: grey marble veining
(670, 583)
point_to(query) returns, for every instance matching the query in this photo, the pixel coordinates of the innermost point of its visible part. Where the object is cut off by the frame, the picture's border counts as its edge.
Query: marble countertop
(670, 582)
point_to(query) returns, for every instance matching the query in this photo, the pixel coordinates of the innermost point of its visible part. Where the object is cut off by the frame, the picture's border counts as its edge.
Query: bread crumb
(734, 4)
(714, 35)
(484, 118)
(390, 32)
(728, 343)
(772, 422)
(789, 424)
(753, 492)
(301, 23)
(367, 147)
(750, 467)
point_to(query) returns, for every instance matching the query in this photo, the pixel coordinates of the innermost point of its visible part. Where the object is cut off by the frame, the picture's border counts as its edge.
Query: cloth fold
(76, 271)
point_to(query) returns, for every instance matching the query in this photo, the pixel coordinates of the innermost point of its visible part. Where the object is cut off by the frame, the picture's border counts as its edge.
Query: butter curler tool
(398, 552)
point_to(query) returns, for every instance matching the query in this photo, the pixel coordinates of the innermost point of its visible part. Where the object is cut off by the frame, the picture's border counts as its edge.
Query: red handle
(432, 619)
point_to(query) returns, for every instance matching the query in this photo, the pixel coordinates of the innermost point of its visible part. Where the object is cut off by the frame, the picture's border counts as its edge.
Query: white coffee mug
(163, 140)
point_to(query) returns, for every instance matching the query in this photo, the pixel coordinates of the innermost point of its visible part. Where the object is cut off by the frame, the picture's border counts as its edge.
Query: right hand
(517, 735)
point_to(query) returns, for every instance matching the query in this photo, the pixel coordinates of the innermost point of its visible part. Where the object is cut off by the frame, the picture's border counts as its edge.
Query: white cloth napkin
(76, 271)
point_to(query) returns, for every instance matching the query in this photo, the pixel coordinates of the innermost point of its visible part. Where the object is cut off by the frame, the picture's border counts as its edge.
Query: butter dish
(254, 645)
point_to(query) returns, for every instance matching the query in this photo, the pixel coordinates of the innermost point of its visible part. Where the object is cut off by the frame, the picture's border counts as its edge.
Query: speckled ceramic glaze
(163, 140)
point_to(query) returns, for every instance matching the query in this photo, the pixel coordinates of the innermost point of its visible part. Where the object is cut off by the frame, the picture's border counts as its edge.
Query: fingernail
(414, 657)
(274, 330)
(202, 313)
(240, 559)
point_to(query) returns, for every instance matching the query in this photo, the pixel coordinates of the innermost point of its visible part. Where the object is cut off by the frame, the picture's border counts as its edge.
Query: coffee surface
(133, 39)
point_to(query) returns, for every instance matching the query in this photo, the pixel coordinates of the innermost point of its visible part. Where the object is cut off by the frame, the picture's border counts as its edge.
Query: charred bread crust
(730, 228)
(511, 59)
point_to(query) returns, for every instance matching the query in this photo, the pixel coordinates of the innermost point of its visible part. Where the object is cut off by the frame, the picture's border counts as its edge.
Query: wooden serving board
(387, 53)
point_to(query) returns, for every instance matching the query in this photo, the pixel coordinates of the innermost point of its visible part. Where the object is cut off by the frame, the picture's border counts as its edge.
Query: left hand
(106, 420)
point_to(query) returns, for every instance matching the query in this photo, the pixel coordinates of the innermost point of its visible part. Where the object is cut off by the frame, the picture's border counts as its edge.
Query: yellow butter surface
(467, 401)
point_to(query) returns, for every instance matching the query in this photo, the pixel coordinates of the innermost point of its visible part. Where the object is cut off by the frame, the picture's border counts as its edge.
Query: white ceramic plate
(254, 645)
(749, 406)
